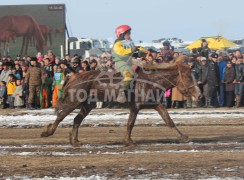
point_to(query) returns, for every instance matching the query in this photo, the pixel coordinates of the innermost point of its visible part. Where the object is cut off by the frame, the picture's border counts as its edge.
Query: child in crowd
(18, 95)
(3, 95)
(11, 86)
(46, 91)
(58, 81)
(15, 73)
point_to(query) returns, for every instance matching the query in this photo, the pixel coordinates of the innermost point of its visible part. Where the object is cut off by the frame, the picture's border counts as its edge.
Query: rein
(186, 89)
(180, 80)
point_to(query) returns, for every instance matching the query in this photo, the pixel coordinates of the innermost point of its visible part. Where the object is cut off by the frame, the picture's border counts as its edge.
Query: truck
(81, 46)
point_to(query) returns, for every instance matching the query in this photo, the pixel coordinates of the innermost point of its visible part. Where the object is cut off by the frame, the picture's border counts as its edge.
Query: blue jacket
(222, 67)
(3, 92)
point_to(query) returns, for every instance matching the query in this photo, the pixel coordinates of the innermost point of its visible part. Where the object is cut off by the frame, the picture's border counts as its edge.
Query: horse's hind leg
(130, 124)
(51, 128)
(23, 45)
(84, 111)
(169, 122)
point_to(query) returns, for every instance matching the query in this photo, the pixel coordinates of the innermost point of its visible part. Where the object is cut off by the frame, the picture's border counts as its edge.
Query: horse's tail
(73, 95)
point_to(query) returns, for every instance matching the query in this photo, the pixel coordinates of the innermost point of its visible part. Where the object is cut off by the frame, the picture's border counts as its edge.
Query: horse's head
(175, 75)
(186, 83)
(40, 47)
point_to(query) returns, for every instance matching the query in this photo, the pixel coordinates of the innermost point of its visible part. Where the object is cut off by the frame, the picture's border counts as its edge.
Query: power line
(68, 21)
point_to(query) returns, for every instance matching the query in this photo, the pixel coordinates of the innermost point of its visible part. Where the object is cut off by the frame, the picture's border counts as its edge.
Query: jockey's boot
(123, 87)
(121, 96)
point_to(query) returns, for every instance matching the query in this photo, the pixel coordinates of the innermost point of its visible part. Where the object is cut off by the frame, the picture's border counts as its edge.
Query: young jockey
(122, 51)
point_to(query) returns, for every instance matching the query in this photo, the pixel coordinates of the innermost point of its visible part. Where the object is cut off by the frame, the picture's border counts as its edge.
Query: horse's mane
(164, 66)
(158, 66)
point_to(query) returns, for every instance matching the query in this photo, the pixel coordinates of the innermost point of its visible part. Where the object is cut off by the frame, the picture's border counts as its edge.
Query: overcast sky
(153, 19)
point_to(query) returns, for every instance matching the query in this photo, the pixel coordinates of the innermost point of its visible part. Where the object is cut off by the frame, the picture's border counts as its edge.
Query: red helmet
(121, 29)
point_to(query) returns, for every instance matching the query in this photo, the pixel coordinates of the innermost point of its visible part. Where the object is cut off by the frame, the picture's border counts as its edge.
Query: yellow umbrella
(195, 44)
(220, 43)
(216, 42)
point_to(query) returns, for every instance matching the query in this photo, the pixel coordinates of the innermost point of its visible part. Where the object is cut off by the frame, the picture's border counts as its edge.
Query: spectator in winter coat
(230, 75)
(85, 66)
(11, 86)
(58, 82)
(239, 81)
(222, 66)
(76, 65)
(39, 57)
(5, 72)
(93, 65)
(203, 85)
(51, 56)
(18, 70)
(196, 74)
(204, 50)
(34, 79)
(167, 52)
(15, 73)
(18, 95)
(3, 94)
(46, 91)
(213, 80)
(48, 67)
(57, 61)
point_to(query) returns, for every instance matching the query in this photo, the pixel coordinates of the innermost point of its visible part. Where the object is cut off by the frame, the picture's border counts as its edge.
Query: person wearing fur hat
(204, 49)
(34, 79)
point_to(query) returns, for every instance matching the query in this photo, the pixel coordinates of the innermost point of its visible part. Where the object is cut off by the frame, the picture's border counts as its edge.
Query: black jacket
(213, 78)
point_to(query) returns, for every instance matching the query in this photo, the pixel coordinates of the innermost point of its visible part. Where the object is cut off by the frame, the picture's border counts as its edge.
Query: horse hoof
(129, 143)
(184, 139)
(44, 134)
(47, 132)
(74, 142)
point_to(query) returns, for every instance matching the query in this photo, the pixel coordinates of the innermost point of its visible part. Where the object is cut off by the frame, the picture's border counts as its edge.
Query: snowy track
(103, 117)
(215, 150)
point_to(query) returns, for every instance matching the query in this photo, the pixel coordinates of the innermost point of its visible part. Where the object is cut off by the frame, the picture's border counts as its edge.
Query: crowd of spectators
(36, 82)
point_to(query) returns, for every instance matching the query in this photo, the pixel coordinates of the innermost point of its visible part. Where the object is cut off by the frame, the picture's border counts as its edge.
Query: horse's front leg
(130, 124)
(169, 122)
(51, 128)
(84, 111)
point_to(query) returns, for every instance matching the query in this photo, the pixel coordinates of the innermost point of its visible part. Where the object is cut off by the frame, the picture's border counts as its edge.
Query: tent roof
(214, 42)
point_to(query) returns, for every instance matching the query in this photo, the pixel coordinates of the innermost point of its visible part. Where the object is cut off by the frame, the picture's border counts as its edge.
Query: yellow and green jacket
(122, 49)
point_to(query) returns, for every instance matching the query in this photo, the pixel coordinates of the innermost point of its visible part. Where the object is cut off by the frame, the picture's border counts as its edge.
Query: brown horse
(83, 88)
(25, 26)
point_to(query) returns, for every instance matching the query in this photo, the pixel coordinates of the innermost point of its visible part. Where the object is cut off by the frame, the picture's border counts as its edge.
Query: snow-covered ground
(39, 118)
(118, 117)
